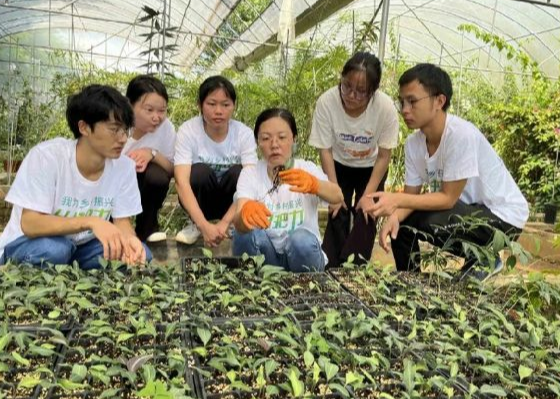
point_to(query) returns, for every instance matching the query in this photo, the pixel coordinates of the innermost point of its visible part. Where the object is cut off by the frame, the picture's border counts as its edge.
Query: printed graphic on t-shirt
(220, 164)
(435, 179)
(71, 206)
(287, 215)
(357, 146)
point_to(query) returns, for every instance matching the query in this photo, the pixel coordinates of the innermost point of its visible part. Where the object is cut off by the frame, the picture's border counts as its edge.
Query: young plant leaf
(354, 379)
(340, 389)
(204, 334)
(134, 364)
(330, 370)
(124, 337)
(298, 388)
(207, 253)
(68, 385)
(54, 314)
(261, 381)
(308, 359)
(409, 375)
(110, 393)
(524, 372)
(78, 373)
(5, 340)
(148, 372)
(493, 390)
(30, 381)
(20, 359)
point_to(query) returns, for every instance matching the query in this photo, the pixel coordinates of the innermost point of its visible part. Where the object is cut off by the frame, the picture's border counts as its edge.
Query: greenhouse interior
(403, 241)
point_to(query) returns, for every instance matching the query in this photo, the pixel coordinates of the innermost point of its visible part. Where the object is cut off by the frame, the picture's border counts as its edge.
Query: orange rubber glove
(301, 181)
(254, 214)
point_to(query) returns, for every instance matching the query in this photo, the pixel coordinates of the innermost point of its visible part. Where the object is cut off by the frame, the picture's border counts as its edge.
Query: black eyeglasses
(401, 103)
(121, 131)
(347, 90)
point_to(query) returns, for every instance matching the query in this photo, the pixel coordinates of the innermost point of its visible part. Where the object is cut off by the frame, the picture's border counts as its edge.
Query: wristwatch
(154, 152)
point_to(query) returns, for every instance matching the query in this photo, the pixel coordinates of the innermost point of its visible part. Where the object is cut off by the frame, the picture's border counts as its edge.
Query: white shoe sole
(185, 240)
(157, 237)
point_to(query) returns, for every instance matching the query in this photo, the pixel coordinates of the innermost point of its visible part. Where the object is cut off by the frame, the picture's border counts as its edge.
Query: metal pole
(164, 21)
(50, 22)
(383, 33)
(458, 99)
(353, 32)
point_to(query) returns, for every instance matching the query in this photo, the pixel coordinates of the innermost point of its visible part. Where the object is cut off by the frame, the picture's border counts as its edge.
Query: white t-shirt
(49, 181)
(290, 210)
(195, 146)
(162, 139)
(464, 153)
(354, 141)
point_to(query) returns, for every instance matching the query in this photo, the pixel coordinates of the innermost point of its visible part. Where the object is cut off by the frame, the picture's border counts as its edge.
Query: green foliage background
(518, 117)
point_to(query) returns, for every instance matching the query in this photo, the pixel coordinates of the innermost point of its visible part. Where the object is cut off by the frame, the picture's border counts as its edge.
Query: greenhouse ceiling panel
(201, 36)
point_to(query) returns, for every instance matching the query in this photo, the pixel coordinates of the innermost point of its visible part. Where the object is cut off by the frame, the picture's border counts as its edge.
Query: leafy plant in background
(158, 40)
(519, 119)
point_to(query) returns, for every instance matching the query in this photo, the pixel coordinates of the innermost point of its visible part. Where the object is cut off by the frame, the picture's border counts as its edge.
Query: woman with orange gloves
(278, 198)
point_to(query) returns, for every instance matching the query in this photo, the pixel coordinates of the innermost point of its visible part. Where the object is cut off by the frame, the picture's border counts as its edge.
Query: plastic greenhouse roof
(422, 29)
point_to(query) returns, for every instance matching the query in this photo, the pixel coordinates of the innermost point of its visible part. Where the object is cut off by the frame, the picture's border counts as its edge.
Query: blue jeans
(302, 253)
(57, 250)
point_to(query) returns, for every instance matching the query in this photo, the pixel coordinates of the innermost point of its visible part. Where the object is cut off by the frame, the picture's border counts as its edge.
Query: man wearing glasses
(463, 175)
(355, 127)
(67, 191)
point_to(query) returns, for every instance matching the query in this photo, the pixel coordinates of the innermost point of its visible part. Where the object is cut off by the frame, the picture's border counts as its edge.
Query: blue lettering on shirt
(355, 139)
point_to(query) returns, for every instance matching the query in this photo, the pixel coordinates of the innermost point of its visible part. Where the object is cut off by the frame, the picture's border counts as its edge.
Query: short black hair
(97, 103)
(434, 79)
(367, 62)
(144, 84)
(270, 113)
(214, 83)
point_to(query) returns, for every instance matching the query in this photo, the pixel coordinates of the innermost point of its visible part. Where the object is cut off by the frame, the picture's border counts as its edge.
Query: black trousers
(340, 241)
(214, 196)
(446, 229)
(153, 184)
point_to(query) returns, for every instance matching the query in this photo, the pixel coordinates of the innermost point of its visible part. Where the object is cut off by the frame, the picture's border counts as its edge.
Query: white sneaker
(188, 235)
(157, 237)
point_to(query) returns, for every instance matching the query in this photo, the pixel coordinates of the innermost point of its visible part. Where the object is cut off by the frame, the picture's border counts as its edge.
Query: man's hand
(134, 252)
(110, 236)
(335, 208)
(212, 235)
(386, 203)
(300, 180)
(391, 226)
(362, 204)
(255, 215)
(142, 157)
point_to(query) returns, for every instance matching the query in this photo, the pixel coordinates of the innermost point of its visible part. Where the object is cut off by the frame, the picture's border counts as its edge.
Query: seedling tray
(41, 350)
(103, 358)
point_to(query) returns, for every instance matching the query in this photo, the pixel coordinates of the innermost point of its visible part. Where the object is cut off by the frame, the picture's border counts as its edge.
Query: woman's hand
(142, 157)
(335, 208)
(212, 235)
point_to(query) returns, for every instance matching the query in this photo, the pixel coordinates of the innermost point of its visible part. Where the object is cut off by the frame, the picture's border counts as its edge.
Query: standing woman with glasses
(152, 147)
(355, 127)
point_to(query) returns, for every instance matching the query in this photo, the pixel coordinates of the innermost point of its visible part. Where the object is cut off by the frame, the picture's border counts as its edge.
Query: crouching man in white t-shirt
(464, 174)
(66, 191)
